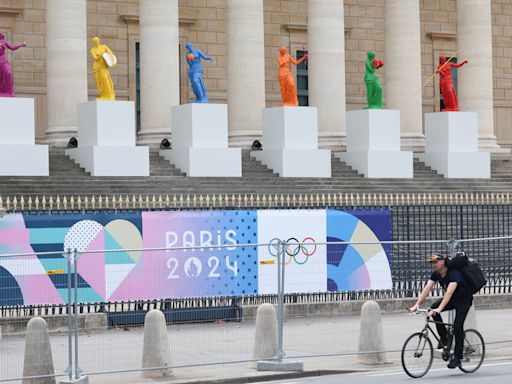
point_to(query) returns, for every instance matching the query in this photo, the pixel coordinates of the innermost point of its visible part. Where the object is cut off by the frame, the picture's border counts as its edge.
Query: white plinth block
(106, 123)
(200, 126)
(373, 145)
(19, 156)
(200, 142)
(290, 128)
(17, 123)
(452, 146)
(290, 143)
(106, 140)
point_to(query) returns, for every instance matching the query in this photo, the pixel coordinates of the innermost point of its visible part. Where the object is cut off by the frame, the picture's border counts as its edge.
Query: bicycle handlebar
(419, 311)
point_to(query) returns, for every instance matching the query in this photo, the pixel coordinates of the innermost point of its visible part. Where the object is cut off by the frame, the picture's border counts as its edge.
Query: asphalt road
(495, 371)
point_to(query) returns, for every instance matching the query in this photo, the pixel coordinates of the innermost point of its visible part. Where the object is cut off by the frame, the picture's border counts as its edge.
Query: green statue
(373, 87)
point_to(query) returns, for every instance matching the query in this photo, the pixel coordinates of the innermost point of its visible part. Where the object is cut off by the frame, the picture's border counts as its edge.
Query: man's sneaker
(454, 363)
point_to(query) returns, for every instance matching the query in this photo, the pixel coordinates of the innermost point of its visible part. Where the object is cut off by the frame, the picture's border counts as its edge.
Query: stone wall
(203, 23)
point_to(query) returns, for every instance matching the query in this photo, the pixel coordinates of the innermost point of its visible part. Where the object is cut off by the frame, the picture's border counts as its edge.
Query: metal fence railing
(80, 203)
(98, 299)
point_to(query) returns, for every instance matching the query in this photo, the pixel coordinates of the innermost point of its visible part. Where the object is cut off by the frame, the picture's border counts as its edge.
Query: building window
(302, 80)
(455, 83)
(137, 85)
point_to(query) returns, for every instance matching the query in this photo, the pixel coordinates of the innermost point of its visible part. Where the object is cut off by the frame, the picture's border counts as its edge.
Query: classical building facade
(243, 36)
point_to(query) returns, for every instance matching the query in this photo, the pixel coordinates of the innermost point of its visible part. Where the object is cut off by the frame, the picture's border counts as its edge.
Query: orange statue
(285, 77)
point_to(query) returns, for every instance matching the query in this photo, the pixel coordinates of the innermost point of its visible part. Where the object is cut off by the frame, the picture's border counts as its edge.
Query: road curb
(270, 377)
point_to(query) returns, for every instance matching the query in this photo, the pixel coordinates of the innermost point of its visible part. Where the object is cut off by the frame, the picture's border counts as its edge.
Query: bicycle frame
(428, 329)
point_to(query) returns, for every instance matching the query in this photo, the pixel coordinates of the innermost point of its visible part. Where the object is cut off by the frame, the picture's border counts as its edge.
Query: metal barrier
(80, 203)
(208, 298)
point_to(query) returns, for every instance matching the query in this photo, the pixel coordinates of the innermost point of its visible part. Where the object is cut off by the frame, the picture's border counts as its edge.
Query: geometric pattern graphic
(207, 270)
(43, 279)
(358, 266)
(207, 263)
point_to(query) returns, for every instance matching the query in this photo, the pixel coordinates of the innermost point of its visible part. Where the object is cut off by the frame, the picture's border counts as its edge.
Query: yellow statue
(104, 59)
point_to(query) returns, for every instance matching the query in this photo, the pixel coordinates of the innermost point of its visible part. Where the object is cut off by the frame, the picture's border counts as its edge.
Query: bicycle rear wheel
(417, 355)
(474, 351)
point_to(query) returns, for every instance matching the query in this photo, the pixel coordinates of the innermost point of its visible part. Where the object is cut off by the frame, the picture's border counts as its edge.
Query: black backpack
(473, 274)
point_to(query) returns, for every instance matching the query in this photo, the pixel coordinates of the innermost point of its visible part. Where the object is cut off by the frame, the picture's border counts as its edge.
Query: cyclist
(457, 296)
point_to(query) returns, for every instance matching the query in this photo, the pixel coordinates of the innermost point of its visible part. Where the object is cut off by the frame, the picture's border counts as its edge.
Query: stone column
(402, 70)
(326, 69)
(245, 70)
(159, 68)
(474, 40)
(66, 67)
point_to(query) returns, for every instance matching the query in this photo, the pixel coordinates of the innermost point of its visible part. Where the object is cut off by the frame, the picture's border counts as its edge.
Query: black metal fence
(483, 231)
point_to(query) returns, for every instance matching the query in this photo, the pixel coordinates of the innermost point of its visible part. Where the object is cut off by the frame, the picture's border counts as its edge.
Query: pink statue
(451, 103)
(6, 80)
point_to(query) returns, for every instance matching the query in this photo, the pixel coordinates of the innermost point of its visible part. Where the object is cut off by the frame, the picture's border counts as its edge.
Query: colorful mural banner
(202, 254)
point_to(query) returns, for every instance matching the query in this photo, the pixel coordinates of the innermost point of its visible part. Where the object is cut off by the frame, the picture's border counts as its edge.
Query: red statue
(451, 103)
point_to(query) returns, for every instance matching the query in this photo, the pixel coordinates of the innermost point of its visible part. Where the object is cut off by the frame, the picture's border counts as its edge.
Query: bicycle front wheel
(473, 352)
(417, 355)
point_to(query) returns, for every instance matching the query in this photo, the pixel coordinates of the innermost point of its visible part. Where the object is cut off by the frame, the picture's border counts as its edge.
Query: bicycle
(422, 349)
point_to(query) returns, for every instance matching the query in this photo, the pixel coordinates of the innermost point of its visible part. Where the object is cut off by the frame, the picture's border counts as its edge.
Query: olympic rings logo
(298, 251)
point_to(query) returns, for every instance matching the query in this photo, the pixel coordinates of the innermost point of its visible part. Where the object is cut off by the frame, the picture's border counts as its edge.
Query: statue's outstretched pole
(435, 73)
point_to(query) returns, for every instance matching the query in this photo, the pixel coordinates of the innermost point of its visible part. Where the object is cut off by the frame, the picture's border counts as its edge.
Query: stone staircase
(67, 178)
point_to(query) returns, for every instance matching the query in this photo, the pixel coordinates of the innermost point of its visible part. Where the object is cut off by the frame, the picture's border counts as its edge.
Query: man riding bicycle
(457, 296)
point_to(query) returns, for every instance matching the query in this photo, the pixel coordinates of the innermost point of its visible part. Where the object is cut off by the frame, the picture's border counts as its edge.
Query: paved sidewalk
(221, 344)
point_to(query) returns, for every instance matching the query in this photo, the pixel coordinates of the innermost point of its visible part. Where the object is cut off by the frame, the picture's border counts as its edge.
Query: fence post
(69, 370)
(278, 364)
(75, 310)
(280, 299)
(73, 371)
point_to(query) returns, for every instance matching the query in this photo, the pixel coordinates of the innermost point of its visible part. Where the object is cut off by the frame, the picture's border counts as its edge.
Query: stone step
(67, 178)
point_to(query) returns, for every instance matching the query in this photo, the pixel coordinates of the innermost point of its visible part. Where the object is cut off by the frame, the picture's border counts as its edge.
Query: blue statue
(195, 73)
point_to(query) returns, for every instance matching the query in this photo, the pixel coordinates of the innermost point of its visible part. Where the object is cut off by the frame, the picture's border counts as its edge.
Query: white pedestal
(373, 145)
(290, 143)
(19, 156)
(106, 140)
(452, 146)
(200, 142)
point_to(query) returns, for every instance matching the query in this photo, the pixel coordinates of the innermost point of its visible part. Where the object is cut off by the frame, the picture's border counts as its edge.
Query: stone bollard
(265, 337)
(156, 351)
(470, 323)
(38, 353)
(371, 335)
